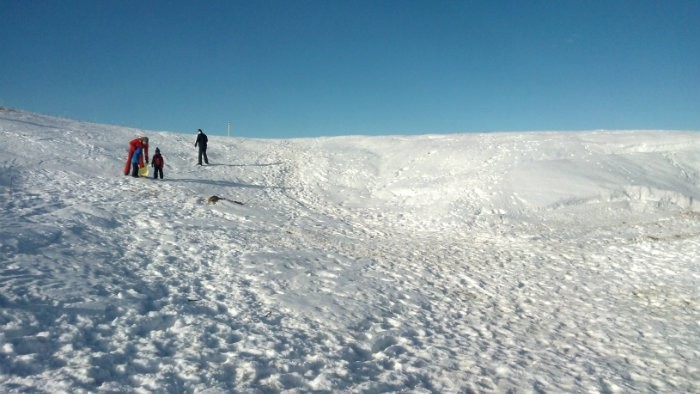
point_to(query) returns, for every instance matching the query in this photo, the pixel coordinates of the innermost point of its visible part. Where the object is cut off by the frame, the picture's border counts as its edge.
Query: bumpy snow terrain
(529, 262)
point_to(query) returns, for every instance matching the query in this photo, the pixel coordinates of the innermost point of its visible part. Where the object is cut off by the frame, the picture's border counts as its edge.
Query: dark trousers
(202, 152)
(156, 171)
(135, 170)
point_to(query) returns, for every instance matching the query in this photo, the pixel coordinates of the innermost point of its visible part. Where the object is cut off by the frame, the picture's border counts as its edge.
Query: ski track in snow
(536, 262)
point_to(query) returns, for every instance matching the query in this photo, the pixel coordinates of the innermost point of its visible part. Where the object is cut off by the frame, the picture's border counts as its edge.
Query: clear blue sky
(297, 68)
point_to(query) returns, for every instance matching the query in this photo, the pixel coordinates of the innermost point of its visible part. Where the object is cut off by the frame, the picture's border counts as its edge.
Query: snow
(542, 261)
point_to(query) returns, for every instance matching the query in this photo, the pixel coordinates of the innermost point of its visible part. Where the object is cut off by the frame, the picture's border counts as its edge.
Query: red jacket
(138, 143)
(158, 161)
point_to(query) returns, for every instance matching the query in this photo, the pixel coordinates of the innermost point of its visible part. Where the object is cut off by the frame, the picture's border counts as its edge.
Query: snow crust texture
(501, 262)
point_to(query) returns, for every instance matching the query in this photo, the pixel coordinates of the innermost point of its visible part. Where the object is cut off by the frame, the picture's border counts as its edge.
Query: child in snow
(135, 161)
(157, 163)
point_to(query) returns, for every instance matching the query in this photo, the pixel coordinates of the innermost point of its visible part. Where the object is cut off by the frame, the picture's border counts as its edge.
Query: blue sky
(297, 68)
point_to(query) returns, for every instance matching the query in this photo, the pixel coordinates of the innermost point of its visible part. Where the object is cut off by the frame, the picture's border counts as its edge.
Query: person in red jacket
(158, 163)
(141, 142)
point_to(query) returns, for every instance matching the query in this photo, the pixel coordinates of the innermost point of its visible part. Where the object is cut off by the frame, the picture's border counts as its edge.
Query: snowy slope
(541, 262)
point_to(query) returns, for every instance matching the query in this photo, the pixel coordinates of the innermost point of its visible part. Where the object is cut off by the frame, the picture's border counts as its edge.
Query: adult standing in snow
(202, 143)
(141, 142)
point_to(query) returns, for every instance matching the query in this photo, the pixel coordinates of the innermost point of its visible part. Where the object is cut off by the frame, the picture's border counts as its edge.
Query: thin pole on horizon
(228, 129)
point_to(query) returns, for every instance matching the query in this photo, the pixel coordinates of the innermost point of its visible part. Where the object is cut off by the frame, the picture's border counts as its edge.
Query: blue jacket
(137, 155)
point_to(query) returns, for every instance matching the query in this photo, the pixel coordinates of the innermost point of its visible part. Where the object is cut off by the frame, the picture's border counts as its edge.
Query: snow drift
(492, 262)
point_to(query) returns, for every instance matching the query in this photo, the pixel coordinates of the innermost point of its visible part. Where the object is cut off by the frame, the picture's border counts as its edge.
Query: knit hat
(157, 150)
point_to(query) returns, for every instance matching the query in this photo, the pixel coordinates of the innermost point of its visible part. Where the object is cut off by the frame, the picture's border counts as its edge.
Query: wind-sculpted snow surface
(533, 262)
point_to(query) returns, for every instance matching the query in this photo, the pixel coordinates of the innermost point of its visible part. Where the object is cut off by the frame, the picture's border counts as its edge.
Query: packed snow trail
(542, 262)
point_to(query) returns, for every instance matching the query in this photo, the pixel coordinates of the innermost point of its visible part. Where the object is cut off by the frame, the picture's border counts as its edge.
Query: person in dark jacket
(202, 143)
(157, 163)
(136, 162)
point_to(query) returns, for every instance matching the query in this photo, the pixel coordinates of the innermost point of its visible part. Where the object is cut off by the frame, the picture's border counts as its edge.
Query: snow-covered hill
(547, 262)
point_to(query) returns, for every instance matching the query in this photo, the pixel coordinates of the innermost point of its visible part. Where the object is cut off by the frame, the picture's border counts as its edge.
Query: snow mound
(501, 262)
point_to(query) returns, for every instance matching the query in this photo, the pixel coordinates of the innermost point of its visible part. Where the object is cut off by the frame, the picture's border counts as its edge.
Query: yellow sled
(143, 171)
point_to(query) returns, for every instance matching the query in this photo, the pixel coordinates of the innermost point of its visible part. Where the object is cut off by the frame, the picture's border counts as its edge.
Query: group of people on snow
(138, 154)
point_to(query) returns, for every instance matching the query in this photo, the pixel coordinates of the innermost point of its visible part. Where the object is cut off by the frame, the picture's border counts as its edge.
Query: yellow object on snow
(143, 171)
